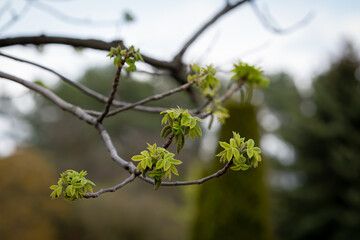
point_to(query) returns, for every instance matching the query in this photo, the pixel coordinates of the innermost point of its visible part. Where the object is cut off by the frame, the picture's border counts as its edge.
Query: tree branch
(75, 110)
(168, 141)
(81, 43)
(79, 86)
(271, 25)
(223, 98)
(231, 91)
(86, 90)
(129, 166)
(112, 94)
(219, 173)
(201, 108)
(14, 16)
(153, 98)
(228, 7)
(111, 189)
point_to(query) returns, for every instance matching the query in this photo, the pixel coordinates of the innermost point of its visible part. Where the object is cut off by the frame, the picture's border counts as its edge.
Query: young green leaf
(137, 158)
(74, 184)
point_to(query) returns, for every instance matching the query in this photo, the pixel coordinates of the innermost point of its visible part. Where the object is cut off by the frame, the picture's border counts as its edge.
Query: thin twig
(79, 86)
(153, 98)
(196, 111)
(201, 108)
(15, 17)
(138, 108)
(87, 90)
(168, 141)
(111, 189)
(219, 173)
(228, 7)
(231, 91)
(83, 43)
(266, 21)
(129, 166)
(112, 94)
(223, 98)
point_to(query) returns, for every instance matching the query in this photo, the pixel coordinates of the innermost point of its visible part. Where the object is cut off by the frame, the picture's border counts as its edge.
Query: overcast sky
(161, 28)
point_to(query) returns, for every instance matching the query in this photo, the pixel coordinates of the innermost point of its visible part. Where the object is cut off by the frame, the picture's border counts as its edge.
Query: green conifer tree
(236, 206)
(326, 202)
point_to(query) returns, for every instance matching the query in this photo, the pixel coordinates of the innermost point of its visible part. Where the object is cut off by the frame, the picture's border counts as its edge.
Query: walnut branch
(201, 108)
(132, 177)
(219, 173)
(15, 17)
(85, 89)
(174, 67)
(149, 99)
(153, 98)
(111, 189)
(228, 7)
(168, 141)
(269, 22)
(199, 112)
(112, 94)
(82, 43)
(231, 91)
(129, 166)
(75, 110)
(79, 86)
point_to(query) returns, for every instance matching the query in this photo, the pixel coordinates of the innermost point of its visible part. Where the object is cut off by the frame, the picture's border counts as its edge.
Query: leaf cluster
(181, 124)
(129, 56)
(207, 83)
(157, 162)
(243, 153)
(72, 185)
(249, 74)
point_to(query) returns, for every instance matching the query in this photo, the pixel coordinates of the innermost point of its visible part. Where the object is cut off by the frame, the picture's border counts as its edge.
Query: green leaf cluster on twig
(249, 74)
(129, 56)
(181, 124)
(72, 185)
(207, 83)
(243, 154)
(157, 162)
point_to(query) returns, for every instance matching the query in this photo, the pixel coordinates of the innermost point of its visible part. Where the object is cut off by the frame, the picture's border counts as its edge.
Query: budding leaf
(73, 185)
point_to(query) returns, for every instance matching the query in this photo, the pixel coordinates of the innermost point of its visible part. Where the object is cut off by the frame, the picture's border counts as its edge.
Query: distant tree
(249, 217)
(324, 130)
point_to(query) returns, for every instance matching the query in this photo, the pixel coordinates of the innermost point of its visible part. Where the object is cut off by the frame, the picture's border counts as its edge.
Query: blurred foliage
(234, 206)
(324, 129)
(25, 209)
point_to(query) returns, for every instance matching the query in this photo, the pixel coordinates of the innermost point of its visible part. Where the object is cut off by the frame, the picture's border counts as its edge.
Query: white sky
(161, 28)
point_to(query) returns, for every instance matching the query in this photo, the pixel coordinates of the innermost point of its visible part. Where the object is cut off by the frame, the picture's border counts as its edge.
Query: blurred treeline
(315, 194)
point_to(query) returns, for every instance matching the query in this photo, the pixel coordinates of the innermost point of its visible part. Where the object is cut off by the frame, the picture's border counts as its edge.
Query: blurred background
(307, 122)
